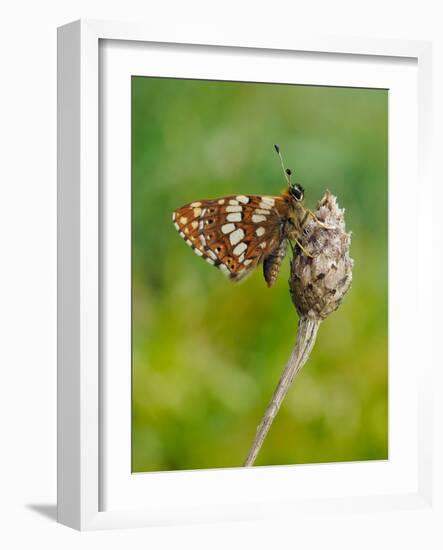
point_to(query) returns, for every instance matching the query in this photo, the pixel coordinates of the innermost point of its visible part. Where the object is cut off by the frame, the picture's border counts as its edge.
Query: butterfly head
(296, 191)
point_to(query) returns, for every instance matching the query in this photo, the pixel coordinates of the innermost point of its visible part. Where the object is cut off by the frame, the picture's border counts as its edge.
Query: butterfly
(236, 233)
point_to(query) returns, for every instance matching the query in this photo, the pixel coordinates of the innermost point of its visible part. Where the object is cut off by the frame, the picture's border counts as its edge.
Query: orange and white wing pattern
(234, 233)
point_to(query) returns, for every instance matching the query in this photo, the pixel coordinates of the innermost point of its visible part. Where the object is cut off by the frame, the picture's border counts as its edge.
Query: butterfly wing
(233, 233)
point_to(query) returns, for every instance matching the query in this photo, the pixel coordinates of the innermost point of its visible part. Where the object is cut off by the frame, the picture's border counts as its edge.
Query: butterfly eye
(297, 192)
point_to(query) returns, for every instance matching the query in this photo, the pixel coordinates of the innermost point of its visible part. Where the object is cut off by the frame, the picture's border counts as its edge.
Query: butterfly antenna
(286, 171)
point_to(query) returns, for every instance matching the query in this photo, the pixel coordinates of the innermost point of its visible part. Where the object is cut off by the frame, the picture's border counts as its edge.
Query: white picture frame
(95, 488)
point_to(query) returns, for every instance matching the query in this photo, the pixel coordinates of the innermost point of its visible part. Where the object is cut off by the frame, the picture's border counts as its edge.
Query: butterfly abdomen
(272, 263)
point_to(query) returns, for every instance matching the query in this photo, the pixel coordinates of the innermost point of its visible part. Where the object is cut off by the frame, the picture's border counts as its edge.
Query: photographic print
(259, 274)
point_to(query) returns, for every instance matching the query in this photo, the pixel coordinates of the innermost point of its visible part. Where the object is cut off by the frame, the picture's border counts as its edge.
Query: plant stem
(306, 335)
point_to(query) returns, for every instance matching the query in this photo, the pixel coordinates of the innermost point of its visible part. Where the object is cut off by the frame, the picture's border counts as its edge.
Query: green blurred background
(207, 353)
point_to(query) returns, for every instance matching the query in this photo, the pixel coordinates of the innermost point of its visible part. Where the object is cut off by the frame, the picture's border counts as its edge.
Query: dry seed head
(318, 284)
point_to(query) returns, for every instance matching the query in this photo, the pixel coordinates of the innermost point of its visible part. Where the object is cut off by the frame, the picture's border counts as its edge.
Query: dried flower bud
(318, 284)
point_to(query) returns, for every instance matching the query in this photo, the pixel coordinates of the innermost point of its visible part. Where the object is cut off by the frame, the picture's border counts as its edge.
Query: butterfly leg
(302, 248)
(321, 224)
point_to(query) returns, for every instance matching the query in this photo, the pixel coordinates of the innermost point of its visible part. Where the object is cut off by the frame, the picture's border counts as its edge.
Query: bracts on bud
(317, 285)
